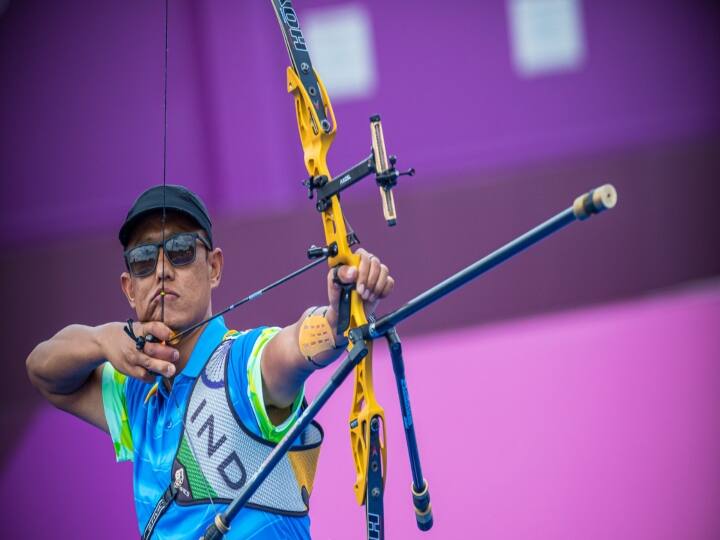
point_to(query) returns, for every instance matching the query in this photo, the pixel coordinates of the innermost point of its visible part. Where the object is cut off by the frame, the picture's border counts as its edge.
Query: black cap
(169, 197)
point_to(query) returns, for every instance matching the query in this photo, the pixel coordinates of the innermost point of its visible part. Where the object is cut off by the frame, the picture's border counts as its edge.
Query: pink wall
(592, 424)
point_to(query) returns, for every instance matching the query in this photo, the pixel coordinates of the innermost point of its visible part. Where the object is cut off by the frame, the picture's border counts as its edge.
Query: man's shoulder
(246, 351)
(249, 343)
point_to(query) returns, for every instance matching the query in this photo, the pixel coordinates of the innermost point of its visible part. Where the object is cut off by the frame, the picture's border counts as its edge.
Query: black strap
(140, 341)
(160, 509)
(343, 321)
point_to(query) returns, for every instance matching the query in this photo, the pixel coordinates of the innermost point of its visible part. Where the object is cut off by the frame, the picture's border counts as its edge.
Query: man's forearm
(285, 368)
(63, 363)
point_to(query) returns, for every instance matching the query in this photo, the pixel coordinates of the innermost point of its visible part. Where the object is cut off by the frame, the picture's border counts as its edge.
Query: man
(198, 416)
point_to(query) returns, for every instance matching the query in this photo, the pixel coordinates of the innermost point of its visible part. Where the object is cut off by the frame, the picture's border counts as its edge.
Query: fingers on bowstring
(148, 367)
(141, 373)
(161, 351)
(157, 329)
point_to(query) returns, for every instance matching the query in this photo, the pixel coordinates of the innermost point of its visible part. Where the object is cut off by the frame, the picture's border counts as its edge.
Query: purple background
(559, 433)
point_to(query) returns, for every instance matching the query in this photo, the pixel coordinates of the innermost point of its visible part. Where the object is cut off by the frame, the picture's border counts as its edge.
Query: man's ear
(215, 266)
(126, 283)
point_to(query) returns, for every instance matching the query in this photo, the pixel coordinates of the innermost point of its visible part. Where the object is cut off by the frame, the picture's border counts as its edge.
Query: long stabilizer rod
(584, 206)
(593, 202)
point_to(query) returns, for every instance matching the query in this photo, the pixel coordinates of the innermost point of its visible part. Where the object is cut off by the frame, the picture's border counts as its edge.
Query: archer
(197, 415)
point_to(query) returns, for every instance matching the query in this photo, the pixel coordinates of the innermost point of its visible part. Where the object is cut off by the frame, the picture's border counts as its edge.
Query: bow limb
(316, 143)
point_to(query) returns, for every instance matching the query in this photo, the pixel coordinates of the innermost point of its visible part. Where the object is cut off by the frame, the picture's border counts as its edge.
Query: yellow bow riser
(316, 144)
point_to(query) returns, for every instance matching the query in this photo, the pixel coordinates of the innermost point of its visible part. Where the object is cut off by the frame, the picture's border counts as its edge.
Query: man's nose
(164, 268)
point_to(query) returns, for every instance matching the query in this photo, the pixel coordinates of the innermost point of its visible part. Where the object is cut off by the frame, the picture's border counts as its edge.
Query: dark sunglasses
(179, 248)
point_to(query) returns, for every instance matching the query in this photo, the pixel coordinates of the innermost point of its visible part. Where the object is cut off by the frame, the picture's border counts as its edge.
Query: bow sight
(386, 177)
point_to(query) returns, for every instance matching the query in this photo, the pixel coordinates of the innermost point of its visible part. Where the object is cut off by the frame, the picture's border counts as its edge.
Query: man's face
(187, 288)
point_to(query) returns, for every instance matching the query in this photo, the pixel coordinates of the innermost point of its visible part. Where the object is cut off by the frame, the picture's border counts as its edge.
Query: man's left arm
(284, 366)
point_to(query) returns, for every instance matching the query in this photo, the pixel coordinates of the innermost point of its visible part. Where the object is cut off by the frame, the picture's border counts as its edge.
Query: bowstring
(164, 169)
(162, 283)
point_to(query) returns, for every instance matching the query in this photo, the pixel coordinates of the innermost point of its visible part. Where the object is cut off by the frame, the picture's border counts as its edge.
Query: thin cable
(162, 286)
(164, 174)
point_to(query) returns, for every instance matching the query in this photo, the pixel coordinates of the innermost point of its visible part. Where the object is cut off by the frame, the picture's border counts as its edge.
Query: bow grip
(343, 322)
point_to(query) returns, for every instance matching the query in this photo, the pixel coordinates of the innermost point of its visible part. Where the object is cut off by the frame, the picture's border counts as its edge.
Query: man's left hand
(372, 282)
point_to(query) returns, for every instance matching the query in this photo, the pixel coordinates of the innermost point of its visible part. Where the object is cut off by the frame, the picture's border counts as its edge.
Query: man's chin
(172, 323)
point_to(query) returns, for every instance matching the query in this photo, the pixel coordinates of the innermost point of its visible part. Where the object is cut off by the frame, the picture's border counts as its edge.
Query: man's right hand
(67, 368)
(155, 358)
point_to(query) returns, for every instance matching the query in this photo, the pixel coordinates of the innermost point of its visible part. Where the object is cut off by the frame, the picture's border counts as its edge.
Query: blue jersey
(147, 430)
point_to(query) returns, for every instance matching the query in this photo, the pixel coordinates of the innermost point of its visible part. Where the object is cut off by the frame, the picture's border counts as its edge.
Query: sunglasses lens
(181, 249)
(142, 260)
